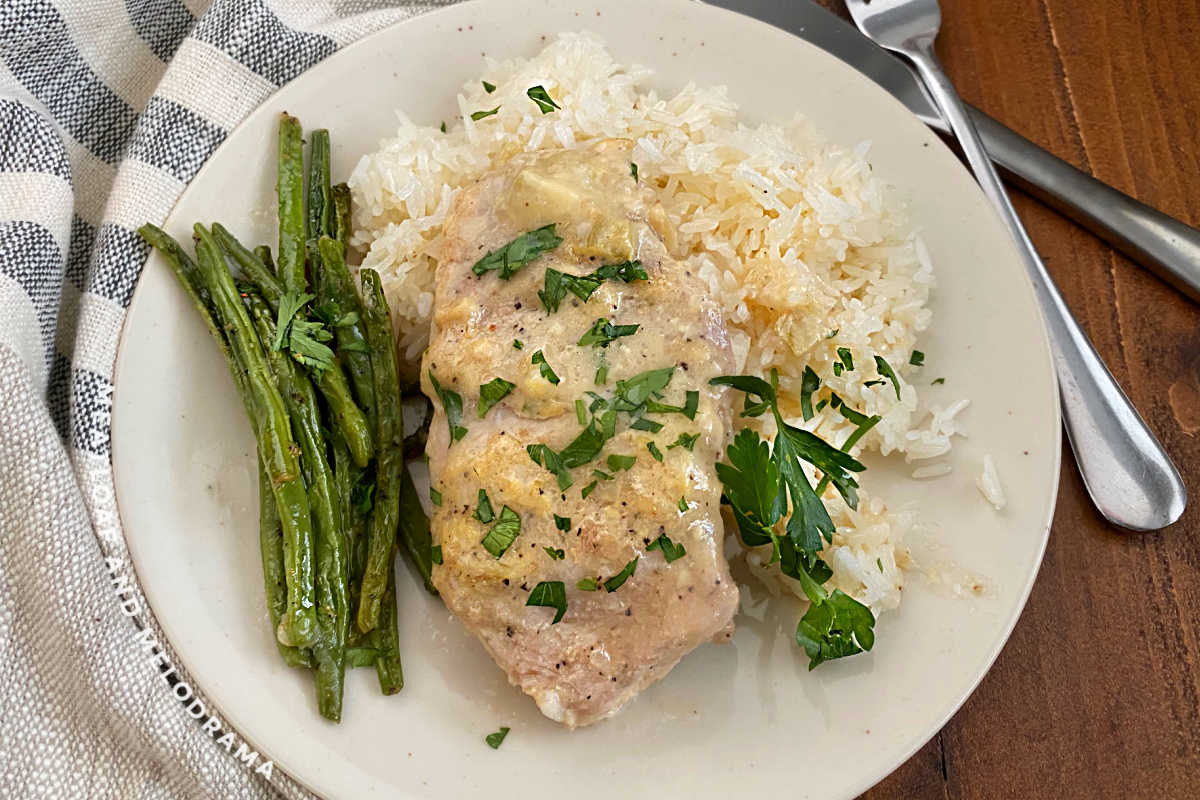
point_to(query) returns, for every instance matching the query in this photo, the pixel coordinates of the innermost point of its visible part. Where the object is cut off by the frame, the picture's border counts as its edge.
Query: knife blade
(1164, 245)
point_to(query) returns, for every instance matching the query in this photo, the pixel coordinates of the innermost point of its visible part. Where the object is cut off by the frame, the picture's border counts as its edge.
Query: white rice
(794, 235)
(989, 484)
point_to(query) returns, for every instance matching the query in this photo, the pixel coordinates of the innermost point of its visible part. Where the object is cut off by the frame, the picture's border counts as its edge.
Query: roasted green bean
(289, 186)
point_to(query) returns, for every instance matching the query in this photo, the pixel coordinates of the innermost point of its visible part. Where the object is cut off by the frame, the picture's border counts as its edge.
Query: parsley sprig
(303, 338)
(764, 481)
(557, 284)
(514, 255)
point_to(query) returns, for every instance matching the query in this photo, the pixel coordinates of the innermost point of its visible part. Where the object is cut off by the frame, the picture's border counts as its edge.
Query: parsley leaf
(603, 333)
(654, 451)
(555, 553)
(590, 441)
(917, 359)
(443, 127)
(683, 505)
(808, 384)
(435, 554)
(602, 475)
(616, 581)
(587, 490)
(562, 523)
(685, 440)
(644, 424)
(758, 482)
(545, 369)
(633, 170)
(580, 411)
(303, 338)
(937, 381)
(493, 392)
(518, 344)
(452, 404)
(478, 115)
(551, 594)
(544, 456)
(846, 357)
(494, 739)
(501, 535)
(488, 87)
(557, 284)
(519, 252)
(688, 409)
(617, 463)
(587, 585)
(545, 102)
(670, 550)
(601, 373)
(435, 496)
(832, 333)
(885, 369)
(633, 393)
(483, 508)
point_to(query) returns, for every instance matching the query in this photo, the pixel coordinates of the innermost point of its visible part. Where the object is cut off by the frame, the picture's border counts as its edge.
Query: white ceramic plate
(729, 720)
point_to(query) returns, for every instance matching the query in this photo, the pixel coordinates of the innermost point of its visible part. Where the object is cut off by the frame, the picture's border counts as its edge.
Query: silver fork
(1129, 477)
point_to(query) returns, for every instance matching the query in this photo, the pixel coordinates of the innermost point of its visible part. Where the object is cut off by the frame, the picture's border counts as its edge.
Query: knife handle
(1163, 244)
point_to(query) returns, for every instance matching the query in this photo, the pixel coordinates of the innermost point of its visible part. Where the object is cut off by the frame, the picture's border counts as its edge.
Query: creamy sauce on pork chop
(608, 645)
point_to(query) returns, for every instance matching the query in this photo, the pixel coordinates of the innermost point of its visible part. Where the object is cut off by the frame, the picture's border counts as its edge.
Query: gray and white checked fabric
(107, 110)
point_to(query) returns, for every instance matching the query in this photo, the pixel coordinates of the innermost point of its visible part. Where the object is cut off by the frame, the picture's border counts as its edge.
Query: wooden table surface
(1097, 693)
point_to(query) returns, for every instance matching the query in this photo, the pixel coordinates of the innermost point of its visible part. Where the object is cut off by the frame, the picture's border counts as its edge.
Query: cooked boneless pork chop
(599, 458)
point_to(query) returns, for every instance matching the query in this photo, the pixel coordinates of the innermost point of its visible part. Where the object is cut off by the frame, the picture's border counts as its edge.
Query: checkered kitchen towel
(107, 110)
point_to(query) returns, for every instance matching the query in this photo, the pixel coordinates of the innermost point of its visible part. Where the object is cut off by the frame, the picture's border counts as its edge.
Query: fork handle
(1165, 245)
(1128, 475)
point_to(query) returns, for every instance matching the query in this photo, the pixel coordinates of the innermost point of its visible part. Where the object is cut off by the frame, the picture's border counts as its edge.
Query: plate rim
(865, 781)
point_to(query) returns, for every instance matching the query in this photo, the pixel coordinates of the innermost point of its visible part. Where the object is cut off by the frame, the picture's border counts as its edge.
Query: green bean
(414, 530)
(386, 639)
(333, 612)
(389, 462)
(335, 289)
(320, 216)
(270, 529)
(289, 186)
(332, 383)
(264, 255)
(341, 214)
(276, 446)
(270, 543)
(251, 265)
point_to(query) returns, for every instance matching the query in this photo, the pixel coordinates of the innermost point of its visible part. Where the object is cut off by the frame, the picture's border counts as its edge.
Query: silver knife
(1165, 245)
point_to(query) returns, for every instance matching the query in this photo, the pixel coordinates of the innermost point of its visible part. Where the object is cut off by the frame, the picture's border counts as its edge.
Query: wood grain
(1097, 694)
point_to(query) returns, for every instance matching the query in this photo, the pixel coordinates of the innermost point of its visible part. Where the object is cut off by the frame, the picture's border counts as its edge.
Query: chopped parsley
(452, 404)
(509, 258)
(555, 553)
(685, 440)
(688, 409)
(501, 535)
(557, 284)
(562, 523)
(832, 333)
(494, 739)
(581, 411)
(879, 563)
(478, 115)
(632, 393)
(654, 451)
(493, 392)
(545, 102)
(937, 381)
(550, 594)
(435, 496)
(617, 463)
(601, 475)
(808, 384)
(670, 550)
(587, 490)
(824, 402)
(616, 581)
(545, 369)
(483, 508)
(602, 374)
(518, 344)
(587, 585)
(644, 424)
(603, 333)
(759, 480)
(917, 359)
(301, 337)
(544, 456)
(443, 127)
(590, 441)
(435, 554)
(488, 87)
(885, 369)
(837, 368)
(683, 505)
(846, 357)
(863, 422)
(633, 170)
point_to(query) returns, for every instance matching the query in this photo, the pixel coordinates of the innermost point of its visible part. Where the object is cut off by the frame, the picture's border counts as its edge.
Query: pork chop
(632, 512)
